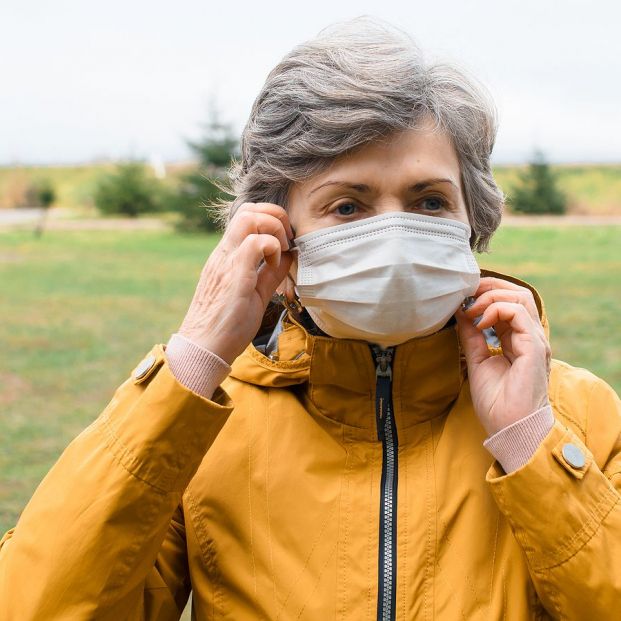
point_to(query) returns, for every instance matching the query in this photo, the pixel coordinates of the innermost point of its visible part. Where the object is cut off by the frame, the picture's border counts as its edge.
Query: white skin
(252, 261)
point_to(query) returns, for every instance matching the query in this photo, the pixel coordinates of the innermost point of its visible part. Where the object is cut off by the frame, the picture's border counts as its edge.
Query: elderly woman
(352, 421)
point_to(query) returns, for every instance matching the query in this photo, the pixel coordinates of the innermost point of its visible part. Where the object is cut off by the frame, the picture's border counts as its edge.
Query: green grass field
(593, 189)
(80, 309)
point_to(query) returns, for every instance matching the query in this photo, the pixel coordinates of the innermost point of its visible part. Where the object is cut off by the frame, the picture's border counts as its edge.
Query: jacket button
(143, 368)
(573, 455)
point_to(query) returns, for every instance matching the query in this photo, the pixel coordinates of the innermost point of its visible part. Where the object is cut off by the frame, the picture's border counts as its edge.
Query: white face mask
(387, 278)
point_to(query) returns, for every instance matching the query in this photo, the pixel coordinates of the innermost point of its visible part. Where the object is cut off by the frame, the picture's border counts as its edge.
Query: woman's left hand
(505, 388)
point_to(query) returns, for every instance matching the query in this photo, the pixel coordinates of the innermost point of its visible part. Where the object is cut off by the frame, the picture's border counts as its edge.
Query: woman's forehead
(408, 157)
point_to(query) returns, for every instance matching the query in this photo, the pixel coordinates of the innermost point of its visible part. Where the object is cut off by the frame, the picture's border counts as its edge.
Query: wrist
(197, 368)
(514, 444)
(214, 345)
(499, 425)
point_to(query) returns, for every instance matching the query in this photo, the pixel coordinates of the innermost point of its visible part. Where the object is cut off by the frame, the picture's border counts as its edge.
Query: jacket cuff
(514, 445)
(158, 429)
(195, 367)
(556, 501)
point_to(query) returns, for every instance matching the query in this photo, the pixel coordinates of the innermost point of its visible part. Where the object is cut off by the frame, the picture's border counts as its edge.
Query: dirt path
(57, 221)
(109, 224)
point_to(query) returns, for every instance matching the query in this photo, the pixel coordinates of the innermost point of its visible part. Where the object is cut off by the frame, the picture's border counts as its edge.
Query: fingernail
(477, 321)
(468, 302)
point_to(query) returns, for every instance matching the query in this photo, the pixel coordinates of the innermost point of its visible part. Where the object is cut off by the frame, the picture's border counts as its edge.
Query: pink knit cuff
(515, 444)
(194, 366)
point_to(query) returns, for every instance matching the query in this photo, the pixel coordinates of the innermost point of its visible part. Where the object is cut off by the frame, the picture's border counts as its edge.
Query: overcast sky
(82, 80)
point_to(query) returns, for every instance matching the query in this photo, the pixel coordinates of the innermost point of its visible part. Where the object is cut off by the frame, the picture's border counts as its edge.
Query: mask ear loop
(294, 305)
(298, 311)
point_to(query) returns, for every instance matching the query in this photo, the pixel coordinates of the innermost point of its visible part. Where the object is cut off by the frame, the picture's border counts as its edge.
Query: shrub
(24, 191)
(537, 192)
(128, 191)
(41, 194)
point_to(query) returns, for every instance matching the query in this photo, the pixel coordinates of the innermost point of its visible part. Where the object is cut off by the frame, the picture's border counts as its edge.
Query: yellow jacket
(280, 507)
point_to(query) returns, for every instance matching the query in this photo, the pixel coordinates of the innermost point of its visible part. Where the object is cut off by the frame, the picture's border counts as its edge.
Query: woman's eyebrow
(422, 185)
(363, 187)
(360, 187)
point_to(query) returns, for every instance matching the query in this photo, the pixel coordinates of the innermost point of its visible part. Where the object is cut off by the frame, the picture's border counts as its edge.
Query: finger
(512, 347)
(249, 222)
(276, 211)
(516, 316)
(517, 296)
(256, 248)
(472, 340)
(489, 283)
(509, 317)
(270, 277)
(504, 329)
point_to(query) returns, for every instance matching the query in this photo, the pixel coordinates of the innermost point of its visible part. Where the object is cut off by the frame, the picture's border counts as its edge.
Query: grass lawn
(80, 309)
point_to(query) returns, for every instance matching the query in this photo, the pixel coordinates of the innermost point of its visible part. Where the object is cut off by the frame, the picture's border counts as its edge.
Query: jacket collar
(337, 377)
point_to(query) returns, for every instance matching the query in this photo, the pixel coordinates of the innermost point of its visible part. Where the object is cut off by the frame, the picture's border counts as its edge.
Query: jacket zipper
(387, 433)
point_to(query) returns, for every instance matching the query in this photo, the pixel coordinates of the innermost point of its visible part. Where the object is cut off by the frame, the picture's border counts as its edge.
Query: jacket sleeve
(565, 514)
(103, 535)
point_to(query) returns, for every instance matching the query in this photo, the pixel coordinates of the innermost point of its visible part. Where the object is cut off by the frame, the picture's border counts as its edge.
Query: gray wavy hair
(355, 82)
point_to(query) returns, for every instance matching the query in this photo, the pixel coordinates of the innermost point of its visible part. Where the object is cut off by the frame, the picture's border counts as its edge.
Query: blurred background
(117, 117)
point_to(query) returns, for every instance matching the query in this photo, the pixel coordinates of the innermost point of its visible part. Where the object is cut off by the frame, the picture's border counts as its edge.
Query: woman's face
(416, 171)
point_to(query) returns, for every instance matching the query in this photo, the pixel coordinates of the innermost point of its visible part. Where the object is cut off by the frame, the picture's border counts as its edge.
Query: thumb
(472, 340)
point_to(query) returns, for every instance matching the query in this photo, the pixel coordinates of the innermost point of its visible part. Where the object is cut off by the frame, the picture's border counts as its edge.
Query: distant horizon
(189, 161)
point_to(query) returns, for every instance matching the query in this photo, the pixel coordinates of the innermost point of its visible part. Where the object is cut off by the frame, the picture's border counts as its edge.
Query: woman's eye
(433, 203)
(346, 209)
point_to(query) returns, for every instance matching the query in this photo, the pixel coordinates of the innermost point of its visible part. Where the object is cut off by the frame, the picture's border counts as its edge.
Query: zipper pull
(383, 386)
(383, 358)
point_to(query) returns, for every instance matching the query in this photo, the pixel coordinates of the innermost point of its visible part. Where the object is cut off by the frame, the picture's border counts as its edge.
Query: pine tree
(201, 187)
(537, 192)
(129, 191)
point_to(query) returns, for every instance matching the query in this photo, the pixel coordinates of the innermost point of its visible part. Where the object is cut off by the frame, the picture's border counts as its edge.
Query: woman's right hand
(235, 287)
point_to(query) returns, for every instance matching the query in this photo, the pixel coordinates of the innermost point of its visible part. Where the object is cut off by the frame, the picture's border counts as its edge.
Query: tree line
(130, 190)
